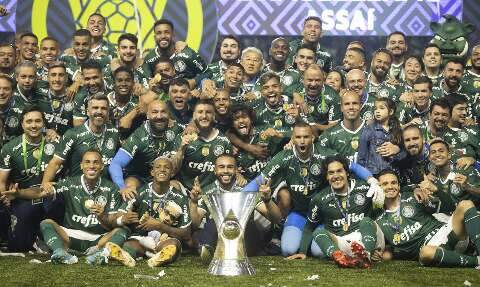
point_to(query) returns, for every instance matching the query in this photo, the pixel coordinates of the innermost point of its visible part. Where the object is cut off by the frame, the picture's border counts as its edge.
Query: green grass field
(271, 271)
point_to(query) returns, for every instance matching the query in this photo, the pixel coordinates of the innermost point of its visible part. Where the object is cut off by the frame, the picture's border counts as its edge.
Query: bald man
(356, 82)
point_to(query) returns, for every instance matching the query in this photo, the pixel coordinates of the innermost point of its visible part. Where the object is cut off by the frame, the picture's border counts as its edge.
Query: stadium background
(257, 22)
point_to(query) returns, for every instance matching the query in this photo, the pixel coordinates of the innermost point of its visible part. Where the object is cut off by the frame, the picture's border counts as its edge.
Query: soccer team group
(107, 150)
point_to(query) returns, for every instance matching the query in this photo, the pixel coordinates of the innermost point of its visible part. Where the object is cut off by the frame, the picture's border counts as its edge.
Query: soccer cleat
(120, 255)
(99, 257)
(206, 254)
(60, 256)
(361, 254)
(164, 257)
(344, 260)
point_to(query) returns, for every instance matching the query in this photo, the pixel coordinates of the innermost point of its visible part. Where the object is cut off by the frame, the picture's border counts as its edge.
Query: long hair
(393, 122)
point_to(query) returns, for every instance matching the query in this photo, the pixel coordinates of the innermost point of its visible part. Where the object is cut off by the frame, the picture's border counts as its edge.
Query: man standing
(397, 45)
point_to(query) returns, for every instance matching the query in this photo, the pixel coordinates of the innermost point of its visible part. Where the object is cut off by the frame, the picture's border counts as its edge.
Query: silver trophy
(230, 211)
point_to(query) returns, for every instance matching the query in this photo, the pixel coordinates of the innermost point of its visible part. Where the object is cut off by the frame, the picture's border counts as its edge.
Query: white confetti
(161, 273)
(35, 261)
(467, 283)
(141, 276)
(273, 269)
(313, 277)
(3, 254)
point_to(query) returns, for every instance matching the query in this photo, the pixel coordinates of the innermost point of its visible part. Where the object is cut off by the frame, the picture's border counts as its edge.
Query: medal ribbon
(337, 201)
(24, 154)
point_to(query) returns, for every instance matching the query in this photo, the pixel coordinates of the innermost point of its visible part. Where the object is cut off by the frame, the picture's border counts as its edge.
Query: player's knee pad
(290, 242)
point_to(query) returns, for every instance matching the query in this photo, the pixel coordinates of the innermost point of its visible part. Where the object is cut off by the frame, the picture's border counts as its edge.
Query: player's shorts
(344, 242)
(81, 240)
(445, 237)
(149, 241)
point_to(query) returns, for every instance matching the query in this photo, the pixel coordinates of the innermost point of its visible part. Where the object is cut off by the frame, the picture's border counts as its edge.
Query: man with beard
(179, 103)
(278, 64)
(155, 138)
(24, 160)
(273, 109)
(413, 233)
(397, 45)
(354, 59)
(356, 81)
(233, 84)
(49, 52)
(9, 116)
(377, 79)
(93, 83)
(78, 55)
(471, 78)
(432, 59)
(322, 102)
(312, 31)
(58, 109)
(96, 25)
(222, 102)
(164, 74)
(299, 169)
(349, 236)
(414, 166)
(230, 48)
(28, 47)
(163, 218)
(7, 60)
(186, 61)
(198, 156)
(452, 78)
(459, 183)
(252, 62)
(94, 133)
(127, 57)
(93, 219)
(124, 106)
(225, 181)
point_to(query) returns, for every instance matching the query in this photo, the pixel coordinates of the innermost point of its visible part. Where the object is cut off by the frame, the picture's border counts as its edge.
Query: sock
(449, 258)
(472, 226)
(368, 229)
(326, 244)
(119, 236)
(50, 236)
(130, 250)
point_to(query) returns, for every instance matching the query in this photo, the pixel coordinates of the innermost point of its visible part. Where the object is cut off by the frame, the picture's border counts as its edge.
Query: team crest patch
(170, 135)
(321, 62)
(315, 169)
(278, 123)
(408, 211)
(218, 150)
(359, 199)
(463, 136)
(289, 119)
(287, 80)
(180, 66)
(476, 84)
(68, 107)
(367, 116)
(101, 200)
(12, 122)
(454, 189)
(110, 144)
(382, 93)
(49, 149)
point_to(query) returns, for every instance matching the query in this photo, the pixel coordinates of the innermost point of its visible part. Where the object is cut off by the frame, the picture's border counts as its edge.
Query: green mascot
(451, 37)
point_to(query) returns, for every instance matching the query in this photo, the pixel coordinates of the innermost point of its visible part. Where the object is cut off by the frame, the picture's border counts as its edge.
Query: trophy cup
(230, 211)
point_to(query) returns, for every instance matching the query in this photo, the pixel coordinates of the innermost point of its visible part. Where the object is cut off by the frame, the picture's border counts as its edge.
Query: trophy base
(231, 267)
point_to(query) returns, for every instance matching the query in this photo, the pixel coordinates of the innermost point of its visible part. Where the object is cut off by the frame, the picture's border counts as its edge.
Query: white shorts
(344, 242)
(81, 235)
(441, 237)
(150, 241)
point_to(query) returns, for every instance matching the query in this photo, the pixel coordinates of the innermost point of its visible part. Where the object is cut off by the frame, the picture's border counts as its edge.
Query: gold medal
(344, 203)
(263, 136)
(205, 150)
(278, 123)
(311, 109)
(305, 190)
(56, 104)
(36, 153)
(354, 144)
(285, 107)
(345, 227)
(396, 238)
(304, 172)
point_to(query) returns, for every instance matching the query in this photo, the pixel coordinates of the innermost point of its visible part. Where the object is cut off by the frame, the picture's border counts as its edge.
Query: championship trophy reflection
(231, 211)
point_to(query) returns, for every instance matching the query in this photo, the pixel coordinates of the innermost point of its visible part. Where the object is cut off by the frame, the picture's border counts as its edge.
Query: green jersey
(106, 48)
(151, 203)
(383, 90)
(25, 168)
(215, 72)
(457, 192)
(58, 112)
(322, 108)
(81, 99)
(117, 112)
(368, 107)
(341, 213)
(324, 59)
(406, 113)
(342, 140)
(199, 159)
(471, 80)
(74, 66)
(409, 227)
(144, 148)
(75, 193)
(75, 142)
(139, 76)
(288, 77)
(187, 62)
(268, 117)
(302, 177)
(463, 142)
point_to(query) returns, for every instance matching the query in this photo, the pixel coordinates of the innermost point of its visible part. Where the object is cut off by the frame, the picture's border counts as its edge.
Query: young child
(380, 141)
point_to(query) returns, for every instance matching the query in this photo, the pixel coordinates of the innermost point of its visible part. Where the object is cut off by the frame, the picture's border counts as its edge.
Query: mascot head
(451, 37)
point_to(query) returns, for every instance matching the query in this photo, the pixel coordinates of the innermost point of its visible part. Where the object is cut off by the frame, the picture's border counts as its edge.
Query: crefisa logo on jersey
(408, 211)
